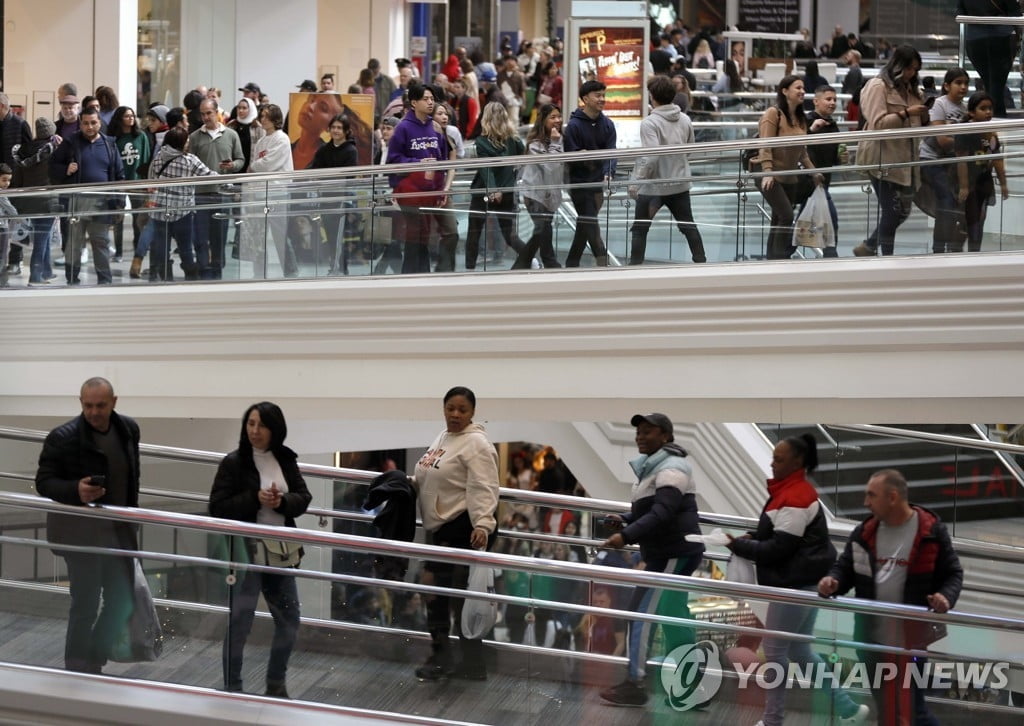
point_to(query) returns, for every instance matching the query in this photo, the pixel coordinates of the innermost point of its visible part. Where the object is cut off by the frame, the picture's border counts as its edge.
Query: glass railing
(322, 223)
(558, 642)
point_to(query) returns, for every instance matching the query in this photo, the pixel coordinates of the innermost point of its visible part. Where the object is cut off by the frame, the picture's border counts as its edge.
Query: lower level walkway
(349, 670)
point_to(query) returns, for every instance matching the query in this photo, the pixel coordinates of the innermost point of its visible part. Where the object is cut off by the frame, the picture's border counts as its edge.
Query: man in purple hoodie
(419, 194)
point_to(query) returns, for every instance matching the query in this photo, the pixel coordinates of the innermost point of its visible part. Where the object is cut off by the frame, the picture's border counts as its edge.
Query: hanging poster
(615, 56)
(310, 114)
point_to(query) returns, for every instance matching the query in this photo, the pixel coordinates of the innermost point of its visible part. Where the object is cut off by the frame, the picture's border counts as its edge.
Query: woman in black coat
(340, 151)
(260, 482)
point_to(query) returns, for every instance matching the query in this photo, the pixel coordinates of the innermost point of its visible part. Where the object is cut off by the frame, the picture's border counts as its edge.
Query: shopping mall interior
(906, 361)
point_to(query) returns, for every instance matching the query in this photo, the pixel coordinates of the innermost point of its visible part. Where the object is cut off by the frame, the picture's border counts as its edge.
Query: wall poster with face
(310, 114)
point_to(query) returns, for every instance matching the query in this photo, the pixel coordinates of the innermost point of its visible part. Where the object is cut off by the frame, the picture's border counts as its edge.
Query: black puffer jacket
(68, 456)
(236, 487)
(32, 169)
(664, 506)
(13, 131)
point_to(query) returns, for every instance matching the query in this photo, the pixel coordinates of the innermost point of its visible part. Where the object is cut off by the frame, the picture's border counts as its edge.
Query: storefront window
(159, 54)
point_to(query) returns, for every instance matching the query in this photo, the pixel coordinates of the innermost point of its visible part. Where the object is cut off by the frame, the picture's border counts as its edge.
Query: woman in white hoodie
(665, 126)
(457, 479)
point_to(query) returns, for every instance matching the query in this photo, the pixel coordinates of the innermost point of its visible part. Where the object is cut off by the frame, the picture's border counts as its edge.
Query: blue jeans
(282, 598)
(647, 600)
(40, 268)
(945, 237)
(797, 619)
(145, 240)
(182, 230)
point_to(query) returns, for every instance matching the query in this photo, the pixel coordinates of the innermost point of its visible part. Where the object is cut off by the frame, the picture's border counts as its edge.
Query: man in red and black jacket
(901, 553)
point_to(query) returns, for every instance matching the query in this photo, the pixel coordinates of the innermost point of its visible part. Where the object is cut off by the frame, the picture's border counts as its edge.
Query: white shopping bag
(813, 227)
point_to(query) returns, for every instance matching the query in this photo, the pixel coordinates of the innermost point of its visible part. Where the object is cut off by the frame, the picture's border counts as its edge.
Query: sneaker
(38, 283)
(626, 693)
(862, 250)
(857, 718)
(14, 269)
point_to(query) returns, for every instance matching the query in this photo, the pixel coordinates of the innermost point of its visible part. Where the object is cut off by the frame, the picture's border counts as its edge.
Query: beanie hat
(160, 111)
(45, 128)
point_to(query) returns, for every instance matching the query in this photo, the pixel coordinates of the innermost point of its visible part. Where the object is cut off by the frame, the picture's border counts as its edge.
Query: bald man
(93, 459)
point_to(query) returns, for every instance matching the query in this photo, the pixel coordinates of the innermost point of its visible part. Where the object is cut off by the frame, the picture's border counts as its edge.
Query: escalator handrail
(533, 565)
(837, 529)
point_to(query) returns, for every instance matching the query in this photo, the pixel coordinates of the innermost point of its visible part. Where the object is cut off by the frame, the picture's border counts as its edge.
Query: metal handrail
(989, 20)
(949, 439)
(376, 174)
(551, 568)
(1003, 553)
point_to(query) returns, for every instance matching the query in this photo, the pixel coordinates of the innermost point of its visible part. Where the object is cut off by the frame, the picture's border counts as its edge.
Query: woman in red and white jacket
(791, 548)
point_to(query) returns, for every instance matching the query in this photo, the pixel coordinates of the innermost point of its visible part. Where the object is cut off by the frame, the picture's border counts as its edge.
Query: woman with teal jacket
(136, 153)
(494, 186)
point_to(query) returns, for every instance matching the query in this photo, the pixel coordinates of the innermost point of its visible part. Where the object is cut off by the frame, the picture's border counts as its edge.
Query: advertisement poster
(310, 114)
(615, 56)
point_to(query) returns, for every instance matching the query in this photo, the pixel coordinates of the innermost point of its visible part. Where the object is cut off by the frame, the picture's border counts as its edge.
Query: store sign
(769, 16)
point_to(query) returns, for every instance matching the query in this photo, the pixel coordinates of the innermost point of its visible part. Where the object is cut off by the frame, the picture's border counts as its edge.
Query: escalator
(960, 483)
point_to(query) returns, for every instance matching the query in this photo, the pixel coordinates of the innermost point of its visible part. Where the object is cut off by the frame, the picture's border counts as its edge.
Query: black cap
(251, 87)
(659, 420)
(307, 85)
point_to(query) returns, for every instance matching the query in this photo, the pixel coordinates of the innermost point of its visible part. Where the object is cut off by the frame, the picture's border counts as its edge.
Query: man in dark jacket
(89, 157)
(93, 460)
(662, 513)
(823, 156)
(901, 553)
(589, 130)
(13, 132)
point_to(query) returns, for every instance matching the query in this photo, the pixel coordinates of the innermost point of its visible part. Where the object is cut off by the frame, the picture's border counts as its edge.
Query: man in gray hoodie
(666, 125)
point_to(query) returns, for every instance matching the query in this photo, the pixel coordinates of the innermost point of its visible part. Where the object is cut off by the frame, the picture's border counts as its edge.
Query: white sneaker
(857, 718)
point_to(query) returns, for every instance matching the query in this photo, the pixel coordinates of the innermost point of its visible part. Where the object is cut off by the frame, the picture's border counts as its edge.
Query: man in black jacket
(13, 132)
(589, 129)
(901, 553)
(823, 156)
(93, 459)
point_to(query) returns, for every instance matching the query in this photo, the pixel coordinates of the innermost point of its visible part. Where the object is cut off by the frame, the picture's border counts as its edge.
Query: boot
(277, 689)
(601, 261)
(439, 665)
(135, 272)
